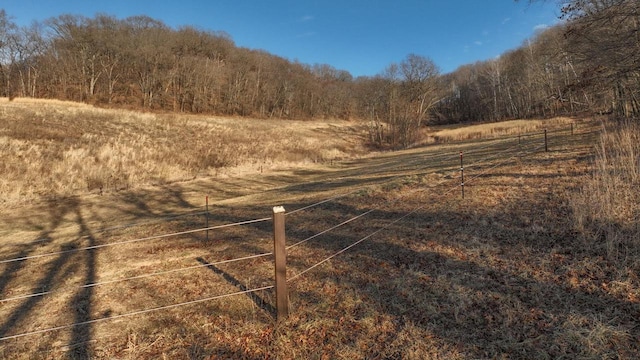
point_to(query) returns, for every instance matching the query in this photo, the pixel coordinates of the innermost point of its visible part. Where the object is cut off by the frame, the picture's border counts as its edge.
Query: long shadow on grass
(394, 166)
(473, 323)
(479, 328)
(41, 240)
(81, 333)
(474, 295)
(46, 282)
(55, 272)
(261, 303)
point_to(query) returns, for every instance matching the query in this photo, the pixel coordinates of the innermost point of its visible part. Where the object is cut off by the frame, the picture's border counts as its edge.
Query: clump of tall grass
(607, 207)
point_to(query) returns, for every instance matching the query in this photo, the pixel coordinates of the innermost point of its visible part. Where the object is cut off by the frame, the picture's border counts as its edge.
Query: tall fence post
(206, 215)
(546, 147)
(571, 129)
(280, 253)
(461, 174)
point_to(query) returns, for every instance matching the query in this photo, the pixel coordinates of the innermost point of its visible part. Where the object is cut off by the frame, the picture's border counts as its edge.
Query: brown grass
(51, 148)
(607, 207)
(450, 133)
(500, 274)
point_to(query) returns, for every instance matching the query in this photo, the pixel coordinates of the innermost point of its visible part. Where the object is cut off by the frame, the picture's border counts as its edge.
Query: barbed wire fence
(513, 149)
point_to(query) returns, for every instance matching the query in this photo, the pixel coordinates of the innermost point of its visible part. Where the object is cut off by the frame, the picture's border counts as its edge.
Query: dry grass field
(491, 130)
(528, 265)
(50, 148)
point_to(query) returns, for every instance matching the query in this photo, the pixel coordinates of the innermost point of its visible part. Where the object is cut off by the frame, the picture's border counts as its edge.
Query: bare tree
(603, 38)
(8, 41)
(412, 92)
(606, 35)
(420, 74)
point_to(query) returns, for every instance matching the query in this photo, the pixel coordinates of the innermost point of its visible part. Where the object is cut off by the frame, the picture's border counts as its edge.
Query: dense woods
(590, 63)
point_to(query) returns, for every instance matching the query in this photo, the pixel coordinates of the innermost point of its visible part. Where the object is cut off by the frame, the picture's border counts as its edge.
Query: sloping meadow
(54, 148)
(521, 267)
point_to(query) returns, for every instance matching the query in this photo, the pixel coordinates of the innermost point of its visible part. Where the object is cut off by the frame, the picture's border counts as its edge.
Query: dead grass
(451, 133)
(607, 207)
(53, 148)
(501, 274)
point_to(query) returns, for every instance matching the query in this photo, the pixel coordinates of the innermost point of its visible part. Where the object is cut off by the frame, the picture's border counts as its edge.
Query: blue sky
(362, 37)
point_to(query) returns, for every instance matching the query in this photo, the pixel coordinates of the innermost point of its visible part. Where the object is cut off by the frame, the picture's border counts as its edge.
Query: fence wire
(211, 298)
(137, 277)
(134, 313)
(388, 225)
(388, 203)
(163, 219)
(452, 155)
(149, 238)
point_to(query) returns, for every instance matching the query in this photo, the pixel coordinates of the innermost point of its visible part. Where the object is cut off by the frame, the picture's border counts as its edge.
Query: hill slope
(386, 261)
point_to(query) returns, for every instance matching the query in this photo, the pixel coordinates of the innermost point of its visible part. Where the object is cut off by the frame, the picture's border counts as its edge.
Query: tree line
(589, 63)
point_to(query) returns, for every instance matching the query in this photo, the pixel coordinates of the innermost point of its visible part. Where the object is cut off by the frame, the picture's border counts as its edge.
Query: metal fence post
(206, 215)
(461, 174)
(280, 253)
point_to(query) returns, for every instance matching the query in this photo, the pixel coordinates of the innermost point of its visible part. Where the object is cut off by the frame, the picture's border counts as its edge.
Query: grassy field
(50, 148)
(493, 130)
(519, 268)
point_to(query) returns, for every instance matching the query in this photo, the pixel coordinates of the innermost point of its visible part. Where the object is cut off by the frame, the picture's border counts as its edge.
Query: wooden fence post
(280, 253)
(546, 147)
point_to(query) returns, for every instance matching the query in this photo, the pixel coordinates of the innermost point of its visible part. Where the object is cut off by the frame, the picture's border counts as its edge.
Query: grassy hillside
(519, 268)
(52, 148)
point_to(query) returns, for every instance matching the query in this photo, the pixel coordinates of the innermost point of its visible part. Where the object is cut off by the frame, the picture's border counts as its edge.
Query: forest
(588, 64)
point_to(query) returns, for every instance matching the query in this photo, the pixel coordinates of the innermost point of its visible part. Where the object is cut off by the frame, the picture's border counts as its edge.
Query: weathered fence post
(206, 215)
(461, 174)
(571, 129)
(546, 147)
(280, 253)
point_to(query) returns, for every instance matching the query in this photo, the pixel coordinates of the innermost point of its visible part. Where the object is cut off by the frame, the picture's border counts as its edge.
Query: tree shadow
(81, 303)
(540, 308)
(55, 272)
(46, 282)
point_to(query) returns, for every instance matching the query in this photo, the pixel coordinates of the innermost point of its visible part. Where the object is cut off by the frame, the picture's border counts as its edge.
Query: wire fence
(161, 219)
(137, 277)
(131, 241)
(487, 160)
(388, 225)
(134, 313)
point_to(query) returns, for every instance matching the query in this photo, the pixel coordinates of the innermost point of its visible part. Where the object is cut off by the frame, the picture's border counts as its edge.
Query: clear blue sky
(362, 37)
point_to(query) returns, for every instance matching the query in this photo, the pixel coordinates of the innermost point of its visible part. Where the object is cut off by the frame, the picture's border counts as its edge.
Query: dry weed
(607, 208)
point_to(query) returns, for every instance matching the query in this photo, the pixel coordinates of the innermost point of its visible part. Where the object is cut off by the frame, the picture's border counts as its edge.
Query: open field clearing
(503, 273)
(127, 166)
(51, 149)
